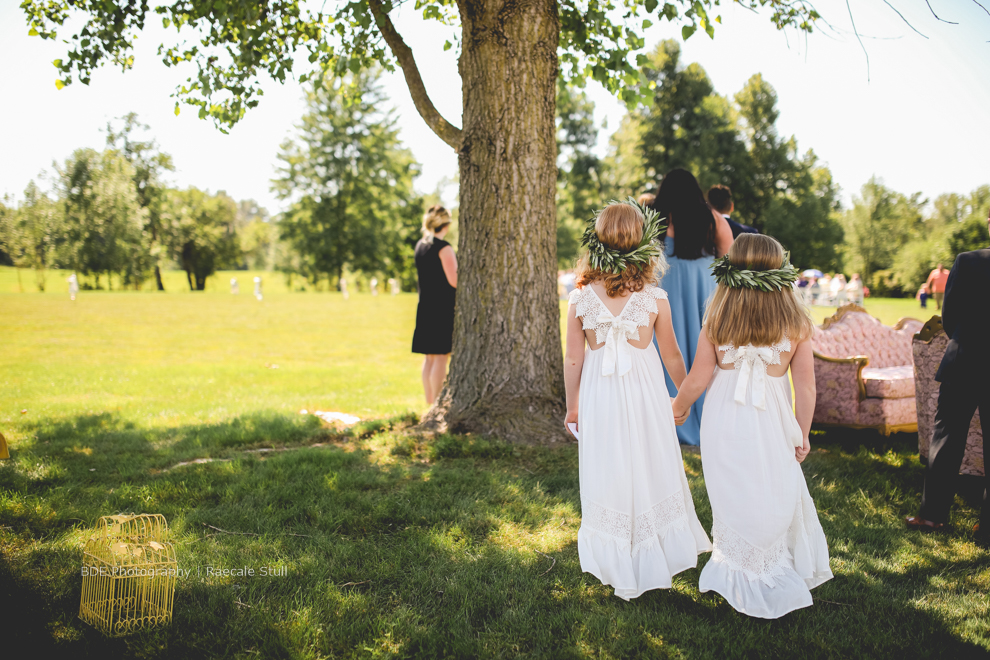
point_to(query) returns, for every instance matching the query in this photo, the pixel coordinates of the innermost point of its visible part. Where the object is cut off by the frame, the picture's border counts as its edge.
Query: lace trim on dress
(668, 514)
(662, 517)
(731, 352)
(639, 307)
(606, 521)
(740, 555)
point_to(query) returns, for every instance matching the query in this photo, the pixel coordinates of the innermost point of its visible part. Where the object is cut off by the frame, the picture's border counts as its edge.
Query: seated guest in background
(720, 198)
(825, 289)
(646, 199)
(814, 291)
(936, 284)
(965, 386)
(854, 290)
(838, 288)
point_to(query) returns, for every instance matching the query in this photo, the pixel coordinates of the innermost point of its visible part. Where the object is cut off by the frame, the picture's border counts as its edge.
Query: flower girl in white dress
(638, 524)
(769, 546)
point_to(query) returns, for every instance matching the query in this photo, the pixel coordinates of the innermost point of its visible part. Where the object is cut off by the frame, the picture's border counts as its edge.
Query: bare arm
(449, 262)
(723, 235)
(670, 352)
(573, 364)
(803, 375)
(705, 363)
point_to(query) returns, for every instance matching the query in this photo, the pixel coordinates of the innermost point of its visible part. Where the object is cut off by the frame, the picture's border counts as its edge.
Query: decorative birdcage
(129, 574)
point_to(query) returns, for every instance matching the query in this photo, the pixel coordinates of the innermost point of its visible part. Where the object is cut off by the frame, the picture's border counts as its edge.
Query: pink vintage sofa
(929, 346)
(864, 372)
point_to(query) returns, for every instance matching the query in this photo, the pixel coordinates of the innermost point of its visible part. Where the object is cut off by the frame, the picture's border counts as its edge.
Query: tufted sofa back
(858, 333)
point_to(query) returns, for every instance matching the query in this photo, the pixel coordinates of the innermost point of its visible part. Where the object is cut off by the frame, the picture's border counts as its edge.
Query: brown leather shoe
(919, 524)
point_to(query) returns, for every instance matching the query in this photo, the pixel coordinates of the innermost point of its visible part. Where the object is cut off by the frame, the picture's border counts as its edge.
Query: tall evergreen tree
(349, 181)
(150, 166)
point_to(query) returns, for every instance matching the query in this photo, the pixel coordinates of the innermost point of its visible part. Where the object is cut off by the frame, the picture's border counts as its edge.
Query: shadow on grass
(395, 546)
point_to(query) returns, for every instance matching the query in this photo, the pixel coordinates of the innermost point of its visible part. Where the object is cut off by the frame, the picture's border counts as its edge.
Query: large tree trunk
(506, 370)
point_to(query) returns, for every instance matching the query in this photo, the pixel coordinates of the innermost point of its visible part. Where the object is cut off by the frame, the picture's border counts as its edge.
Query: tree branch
(936, 15)
(853, 21)
(443, 128)
(902, 17)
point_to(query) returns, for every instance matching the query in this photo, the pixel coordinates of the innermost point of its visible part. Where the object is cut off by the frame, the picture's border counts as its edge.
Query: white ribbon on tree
(617, 355)
(752, 363)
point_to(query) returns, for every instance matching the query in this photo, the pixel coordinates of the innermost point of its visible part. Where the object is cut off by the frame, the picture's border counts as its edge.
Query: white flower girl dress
(638, 524)
(769, 546)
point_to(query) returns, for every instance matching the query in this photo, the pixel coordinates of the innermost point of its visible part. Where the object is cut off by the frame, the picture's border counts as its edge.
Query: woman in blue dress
(702, 234)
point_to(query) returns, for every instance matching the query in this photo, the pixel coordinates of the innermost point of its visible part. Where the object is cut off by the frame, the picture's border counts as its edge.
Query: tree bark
(506, 373)
(158, 278)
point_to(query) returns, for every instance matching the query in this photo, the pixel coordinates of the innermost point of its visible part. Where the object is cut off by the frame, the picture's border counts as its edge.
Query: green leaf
(687, 31)
(447, 45)
(176, 108)
(57, 63)
(651, 5)
(32, 32)
(59, 84)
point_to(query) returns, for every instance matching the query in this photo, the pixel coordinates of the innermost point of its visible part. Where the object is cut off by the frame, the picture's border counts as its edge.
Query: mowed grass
(394, 545)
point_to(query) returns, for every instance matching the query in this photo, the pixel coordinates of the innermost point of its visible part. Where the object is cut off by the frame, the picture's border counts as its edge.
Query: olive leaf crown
(773, 279)
(610, 260)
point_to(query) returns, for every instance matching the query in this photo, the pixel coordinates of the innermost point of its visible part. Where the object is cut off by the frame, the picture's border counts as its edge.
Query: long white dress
(638, 524)
(770, 549)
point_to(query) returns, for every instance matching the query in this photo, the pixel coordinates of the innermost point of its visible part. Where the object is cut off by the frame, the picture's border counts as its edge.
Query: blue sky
(918, 119)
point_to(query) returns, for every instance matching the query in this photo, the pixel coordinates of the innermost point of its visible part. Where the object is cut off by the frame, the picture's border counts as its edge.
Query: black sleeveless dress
(434, 333)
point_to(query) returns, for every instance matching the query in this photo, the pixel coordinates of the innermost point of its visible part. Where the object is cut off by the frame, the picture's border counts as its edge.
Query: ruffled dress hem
(770, 589)
(651, 564)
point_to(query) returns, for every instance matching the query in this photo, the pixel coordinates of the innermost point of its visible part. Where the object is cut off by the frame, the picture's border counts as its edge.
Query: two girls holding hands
(639, 526)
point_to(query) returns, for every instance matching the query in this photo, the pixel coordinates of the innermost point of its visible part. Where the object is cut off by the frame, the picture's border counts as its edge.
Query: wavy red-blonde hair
(620, 227)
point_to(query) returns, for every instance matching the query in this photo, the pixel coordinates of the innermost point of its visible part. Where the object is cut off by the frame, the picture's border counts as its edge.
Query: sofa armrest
(842, 370)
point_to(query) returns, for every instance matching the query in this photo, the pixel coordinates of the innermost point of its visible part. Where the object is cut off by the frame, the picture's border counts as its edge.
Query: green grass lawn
(394, 545)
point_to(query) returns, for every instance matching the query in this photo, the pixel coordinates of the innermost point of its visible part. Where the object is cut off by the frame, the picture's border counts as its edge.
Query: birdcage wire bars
(129, 574)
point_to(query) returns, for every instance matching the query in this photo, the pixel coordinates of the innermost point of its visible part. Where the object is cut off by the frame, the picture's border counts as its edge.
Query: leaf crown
(773, 279)
(610, 260)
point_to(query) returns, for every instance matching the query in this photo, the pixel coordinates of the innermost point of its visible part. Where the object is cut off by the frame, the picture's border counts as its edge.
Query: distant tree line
(345, 176)
(892, 240)
(111, 213)
(352, 211)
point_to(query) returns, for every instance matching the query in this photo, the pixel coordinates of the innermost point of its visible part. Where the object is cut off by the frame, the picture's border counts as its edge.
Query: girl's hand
(571, 418)
(681, 412)
(801, 453)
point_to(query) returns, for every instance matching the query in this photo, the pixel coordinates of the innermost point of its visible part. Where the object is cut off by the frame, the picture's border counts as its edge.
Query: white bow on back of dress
(617, 355)
(752, 362)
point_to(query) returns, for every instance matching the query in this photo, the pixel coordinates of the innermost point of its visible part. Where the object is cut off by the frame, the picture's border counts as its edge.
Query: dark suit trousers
(957, 401)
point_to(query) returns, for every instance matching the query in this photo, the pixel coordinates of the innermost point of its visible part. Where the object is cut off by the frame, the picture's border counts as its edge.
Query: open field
(393, 545)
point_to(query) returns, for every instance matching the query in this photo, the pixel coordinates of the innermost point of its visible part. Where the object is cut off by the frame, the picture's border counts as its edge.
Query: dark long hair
(681, 201)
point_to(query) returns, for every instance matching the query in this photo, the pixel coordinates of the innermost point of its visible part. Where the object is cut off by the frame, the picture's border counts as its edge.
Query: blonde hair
(620, 227)
(435, 219)
(741, 316)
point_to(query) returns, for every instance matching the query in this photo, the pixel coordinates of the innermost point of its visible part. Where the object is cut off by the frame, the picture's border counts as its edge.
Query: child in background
(638, 524)
(769, 546)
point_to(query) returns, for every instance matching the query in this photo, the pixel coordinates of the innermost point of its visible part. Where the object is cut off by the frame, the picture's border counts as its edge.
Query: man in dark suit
(965, 377)
(720, 198)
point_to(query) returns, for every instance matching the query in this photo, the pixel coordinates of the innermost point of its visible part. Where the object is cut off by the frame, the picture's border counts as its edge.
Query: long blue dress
(689, 284)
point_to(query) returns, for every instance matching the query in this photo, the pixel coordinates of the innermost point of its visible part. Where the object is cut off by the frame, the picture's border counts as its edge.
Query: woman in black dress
(436, 267)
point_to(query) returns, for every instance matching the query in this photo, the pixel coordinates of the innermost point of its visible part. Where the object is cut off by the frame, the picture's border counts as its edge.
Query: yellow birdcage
(129, 574)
